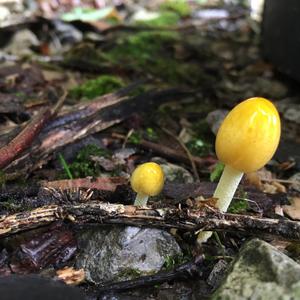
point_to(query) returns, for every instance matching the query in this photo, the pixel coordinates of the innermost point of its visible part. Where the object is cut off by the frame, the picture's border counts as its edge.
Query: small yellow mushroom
(147, 180)
(246, 141)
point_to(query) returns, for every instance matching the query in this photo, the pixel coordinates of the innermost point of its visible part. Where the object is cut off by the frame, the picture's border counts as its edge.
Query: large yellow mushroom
(147, 180)
(246, 141)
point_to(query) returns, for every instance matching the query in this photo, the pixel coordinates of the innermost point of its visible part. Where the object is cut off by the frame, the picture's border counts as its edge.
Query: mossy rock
(261, 272)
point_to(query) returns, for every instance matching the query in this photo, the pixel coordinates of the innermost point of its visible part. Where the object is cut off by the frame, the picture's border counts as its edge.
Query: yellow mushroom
(246, 141)
(147, 180)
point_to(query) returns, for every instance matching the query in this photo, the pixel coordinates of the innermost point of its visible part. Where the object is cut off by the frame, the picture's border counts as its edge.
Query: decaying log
(89, 120)
(24, 139)
(185, 219)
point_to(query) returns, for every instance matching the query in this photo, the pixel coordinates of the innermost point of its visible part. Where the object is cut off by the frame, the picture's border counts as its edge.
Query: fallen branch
(170, 153)
(182, 272)
(95, 118)
(24, 139)
(185, 219)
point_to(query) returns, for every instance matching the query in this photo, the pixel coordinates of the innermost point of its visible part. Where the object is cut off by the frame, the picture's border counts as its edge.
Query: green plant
(97, 87)
(83, 166)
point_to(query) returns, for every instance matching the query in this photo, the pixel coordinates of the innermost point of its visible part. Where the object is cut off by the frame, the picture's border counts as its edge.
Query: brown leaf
(200, 204)
(263, 180)
(293, 210)
(71, 276)
(104, 183)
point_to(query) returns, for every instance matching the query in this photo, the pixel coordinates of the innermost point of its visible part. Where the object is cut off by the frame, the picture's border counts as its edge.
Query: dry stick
(183, 272)
(168, 152)
(166, 218)
(186, 150)
(23, 140)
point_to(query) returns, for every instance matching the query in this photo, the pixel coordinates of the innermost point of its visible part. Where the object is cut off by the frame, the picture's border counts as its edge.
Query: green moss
(239, 205)
(83, 166)
(153, 52)
(180, 7)
(216, 172)
(97, 87)
(172, 261)
(151, 134)
(198, 147)
(165, 18)
(135, 138)
(129, 274)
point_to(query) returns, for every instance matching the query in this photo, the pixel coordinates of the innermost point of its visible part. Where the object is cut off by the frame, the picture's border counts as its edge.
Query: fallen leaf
(293, 210)
(202, 203)
(71, 276)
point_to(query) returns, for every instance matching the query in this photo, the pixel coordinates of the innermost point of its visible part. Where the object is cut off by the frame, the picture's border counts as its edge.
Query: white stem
(225, 190)
(141, 200)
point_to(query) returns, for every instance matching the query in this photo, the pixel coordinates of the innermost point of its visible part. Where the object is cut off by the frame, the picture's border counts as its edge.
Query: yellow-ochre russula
(245, 142)
(147, 180)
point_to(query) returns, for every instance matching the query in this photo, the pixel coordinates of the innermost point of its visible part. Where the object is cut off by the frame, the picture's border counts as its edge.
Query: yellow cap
(249, 135)
(147, 179)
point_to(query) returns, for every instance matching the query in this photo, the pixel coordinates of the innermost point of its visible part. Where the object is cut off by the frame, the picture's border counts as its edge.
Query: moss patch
(165, 18)
(153, 52)
(97, 87)
(238, 206)
(83, 166)
(180, 7)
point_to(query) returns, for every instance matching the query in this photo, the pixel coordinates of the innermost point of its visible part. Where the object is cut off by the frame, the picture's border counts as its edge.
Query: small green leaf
(217, 172)
(65, 166)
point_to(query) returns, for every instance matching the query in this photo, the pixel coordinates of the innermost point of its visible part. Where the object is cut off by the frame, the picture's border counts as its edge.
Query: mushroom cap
(147, 179)
(249, 135)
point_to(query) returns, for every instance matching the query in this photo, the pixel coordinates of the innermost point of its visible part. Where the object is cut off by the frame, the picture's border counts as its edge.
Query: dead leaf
(258, 178)
(293, 210)
(71, 276)
(202, 203)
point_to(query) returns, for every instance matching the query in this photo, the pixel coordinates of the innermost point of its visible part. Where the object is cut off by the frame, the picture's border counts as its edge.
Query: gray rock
(175, 173)
(21, 42)
(215, 119)
(296, 182)
(261, 272)
(119, 253)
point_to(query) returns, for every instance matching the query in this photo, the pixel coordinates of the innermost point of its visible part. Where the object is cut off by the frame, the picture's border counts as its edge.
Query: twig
(279, 180)
(166, 218)
(169, 152)
(183, 272)
(186, 150)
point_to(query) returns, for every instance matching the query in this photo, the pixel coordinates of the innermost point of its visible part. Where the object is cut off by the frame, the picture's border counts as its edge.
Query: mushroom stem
(225, 190)
(227, 186)
(141, 199)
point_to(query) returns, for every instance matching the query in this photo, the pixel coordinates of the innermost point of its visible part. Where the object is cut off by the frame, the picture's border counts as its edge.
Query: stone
(118, 253)
(21, 43)
(261, 272)
(175, 173)
(295, 182)
(215, 119)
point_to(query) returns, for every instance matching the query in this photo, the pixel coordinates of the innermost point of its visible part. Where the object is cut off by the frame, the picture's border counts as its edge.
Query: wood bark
(165, 218)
